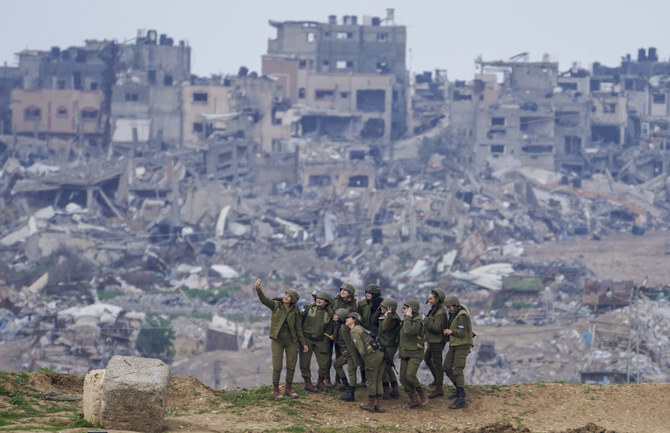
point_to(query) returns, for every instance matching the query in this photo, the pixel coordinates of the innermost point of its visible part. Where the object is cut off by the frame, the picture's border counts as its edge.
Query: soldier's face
(432, 299)
(320, 302)
(287, 298)
(451, 308)
(384, 309)
(368, 296)
(344, 294)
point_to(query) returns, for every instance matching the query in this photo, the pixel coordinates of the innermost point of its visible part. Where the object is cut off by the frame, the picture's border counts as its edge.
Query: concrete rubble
(90, 249)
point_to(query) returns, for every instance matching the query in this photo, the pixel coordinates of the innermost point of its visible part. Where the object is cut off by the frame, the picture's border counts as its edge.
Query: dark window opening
(32, 113)
(76, 80)
(382, 37)
(356, 154)
(458, 96)
(200, 97)
(567, 118)
(302, 63)
(605, 134)
(151, 76)
(373, 128)
(60, 84)
(324, 94)
(131, 96)
(537, 148)
(359, 181)
(197, 127)
(89, 114)
(317, 180)
(497, 121)
(609, 107)
(497, 148)
(573, 145)
(344, 95)
(302, 93)
(658, 98)
(167, 80)
(373, 100)
(94, 86)
(568, 86)
(61, 112)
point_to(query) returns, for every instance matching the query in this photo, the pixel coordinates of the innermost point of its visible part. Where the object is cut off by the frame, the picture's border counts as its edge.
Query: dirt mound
(195, 407)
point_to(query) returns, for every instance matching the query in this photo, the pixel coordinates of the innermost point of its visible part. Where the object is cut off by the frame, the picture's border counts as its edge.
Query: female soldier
(435, 322)
(286, 335)
(411, 353)
(389, 332)
(345, 299)
(459, 331)
(373, 356)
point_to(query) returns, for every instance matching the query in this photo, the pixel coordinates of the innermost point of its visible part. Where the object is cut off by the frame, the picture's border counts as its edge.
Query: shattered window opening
(344, 35)
(200, 97)
(32, 113)
(62, 112)
(658, 98)
(60, 85)
(537, 148)
(344, 95)
(372, 100)
(131, 97)
(609, 107)
(302, 64)
(302, 93)
(344, 64)
(573, 145)
(382, 37)
(356, 155)
(497, 121)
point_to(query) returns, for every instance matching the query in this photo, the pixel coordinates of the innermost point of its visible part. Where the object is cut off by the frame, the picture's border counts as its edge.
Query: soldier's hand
(305, 349)
(258, 284)
(408, 311)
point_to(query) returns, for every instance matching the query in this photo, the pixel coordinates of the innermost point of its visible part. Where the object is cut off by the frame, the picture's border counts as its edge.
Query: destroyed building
(351, 75)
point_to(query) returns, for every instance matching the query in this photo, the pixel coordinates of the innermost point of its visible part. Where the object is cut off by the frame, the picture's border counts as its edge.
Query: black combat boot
(460, 400)
(348, 395)
(344, 384)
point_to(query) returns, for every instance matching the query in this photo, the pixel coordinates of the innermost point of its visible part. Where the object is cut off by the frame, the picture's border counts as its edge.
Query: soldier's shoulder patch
(461, 326)
(354, 340)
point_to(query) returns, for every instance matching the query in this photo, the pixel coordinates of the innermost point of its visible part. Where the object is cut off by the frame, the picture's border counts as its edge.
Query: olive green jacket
(280, 315)
(411, 337)
(389, 330)
(316, 322)
(342, 336)
(434, 323)
(361, 341)
(461, 328)
(370, 318)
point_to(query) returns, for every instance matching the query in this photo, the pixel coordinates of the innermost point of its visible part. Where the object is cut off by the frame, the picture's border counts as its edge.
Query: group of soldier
(367, 334)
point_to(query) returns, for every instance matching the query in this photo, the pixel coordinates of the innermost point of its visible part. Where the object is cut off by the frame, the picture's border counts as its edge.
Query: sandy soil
(540, 407)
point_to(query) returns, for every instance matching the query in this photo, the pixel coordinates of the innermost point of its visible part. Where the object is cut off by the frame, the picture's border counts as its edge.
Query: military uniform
(347, 356)
(349, 305)
(316, 322)
(286, 337)
(389, 334)
(434, 323)
(460, 344)
(411, 354)
(373, 359)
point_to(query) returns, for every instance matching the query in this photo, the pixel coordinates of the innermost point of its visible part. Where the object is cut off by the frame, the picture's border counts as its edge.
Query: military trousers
(345, 360)
(322, 358)
(389, 375)
(408, 373)
(279, 346)
(454, 363)
(433, 360)
(374, 370)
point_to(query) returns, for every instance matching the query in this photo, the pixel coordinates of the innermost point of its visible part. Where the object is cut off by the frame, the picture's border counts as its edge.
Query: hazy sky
(441, 34)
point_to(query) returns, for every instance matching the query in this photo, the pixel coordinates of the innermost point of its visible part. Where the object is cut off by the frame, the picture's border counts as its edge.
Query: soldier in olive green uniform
(316, 323)
(389, 334)
(348, 355)
(373, 356)
(345, 299)
(286, 336)
(435, 322)
(459, 331)
(369, 308)
(411, 353)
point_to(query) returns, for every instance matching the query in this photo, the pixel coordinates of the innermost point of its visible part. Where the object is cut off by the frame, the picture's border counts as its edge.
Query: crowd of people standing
(350, 336)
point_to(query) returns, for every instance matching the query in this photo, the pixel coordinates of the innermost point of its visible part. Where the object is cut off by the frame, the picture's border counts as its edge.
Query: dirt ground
(541, 407)
(619, 256)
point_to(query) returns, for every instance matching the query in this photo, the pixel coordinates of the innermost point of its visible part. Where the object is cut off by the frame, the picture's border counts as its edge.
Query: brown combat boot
(422, 395)
(321, 384)
(387, 391)
(275, 391)
(395, 392)
(370, 407)
(379, 406)
(437, 392)
(288, 391)
(338, 381)
(309, 386)
(328, 383)
(413, 401)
